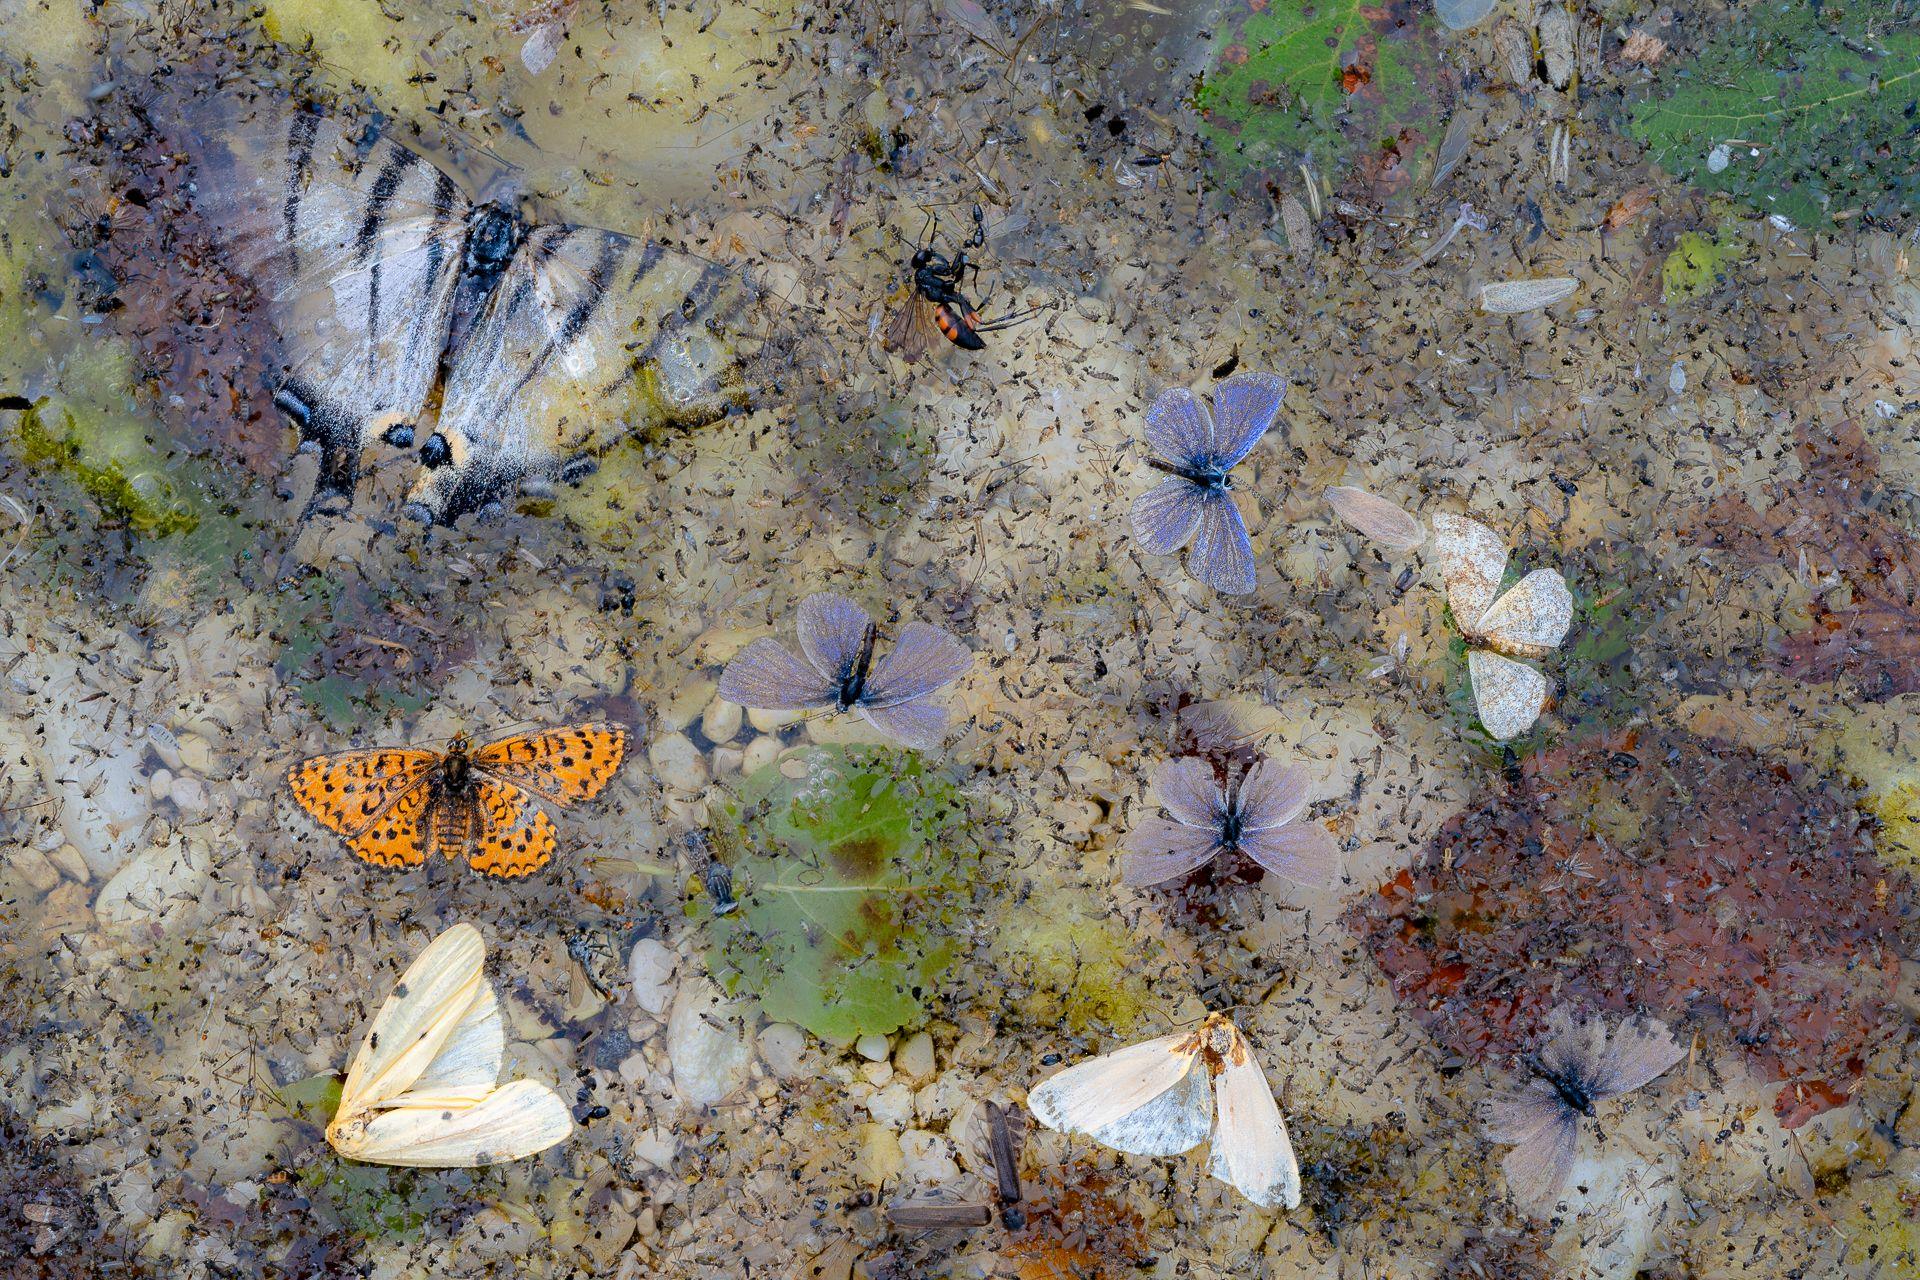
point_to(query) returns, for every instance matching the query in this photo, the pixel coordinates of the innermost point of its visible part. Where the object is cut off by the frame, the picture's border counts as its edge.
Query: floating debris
(1377, 518)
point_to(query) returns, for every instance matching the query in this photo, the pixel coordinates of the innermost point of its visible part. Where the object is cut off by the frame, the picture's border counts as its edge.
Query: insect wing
(587, 335)
(515, 837)
(1508, 695)
(769, 675)
(833, 633)
(1245, 406)
(1472, 561)
(1640, 1051)
(1163, 851)
(512, 1122)
(1304, 852)
(923, 659)
(1532, 618)
(355, 252)
(1377, 518)
(431, 999)
(564, 765)
(1251, 1149)
(1188, 791)
(1165, 516)
(1149, 1099)
(1272, 795)
(347, 791)
(920, 725)
(1179, 428)
(1222, 555)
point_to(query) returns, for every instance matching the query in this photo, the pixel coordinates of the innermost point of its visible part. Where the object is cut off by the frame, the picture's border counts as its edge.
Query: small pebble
(892, 1106)
(782, 1048)
(760, 753)
(926, 1159)
(772, 721)
(727, 759)
(35, 868)
(678, 763)
(650, 967)
(876, 1073)
(721, 721)
(686, 702)
(196, 753)
(914, 1058)
(872, 1047)
(159, 784)
(188, 794)
(72, 865)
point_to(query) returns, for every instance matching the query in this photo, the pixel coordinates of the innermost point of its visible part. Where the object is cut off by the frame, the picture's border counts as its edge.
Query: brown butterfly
(397, 805)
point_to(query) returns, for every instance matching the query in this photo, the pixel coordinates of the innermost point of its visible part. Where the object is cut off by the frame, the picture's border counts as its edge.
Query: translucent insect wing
(920, 725)
(1272, 795)
(1472, 560)
(1251, 1149)
(1304, 852)
(1532, 618)
(1163, 851)
(1166, 516)
(1189, 792)
(1508, 695)
(1537, 1169)
(1149, 1099)
(923, 659)
(1377, 518)
(1638, 1052)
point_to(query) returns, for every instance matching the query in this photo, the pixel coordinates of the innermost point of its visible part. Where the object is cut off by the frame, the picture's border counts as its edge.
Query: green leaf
(852, 880)
(1696, 264)
(1828, 109)
(1337, 82)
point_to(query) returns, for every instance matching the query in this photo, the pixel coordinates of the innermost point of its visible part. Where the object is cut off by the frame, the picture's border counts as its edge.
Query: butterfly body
(399, 806)
(853, 684)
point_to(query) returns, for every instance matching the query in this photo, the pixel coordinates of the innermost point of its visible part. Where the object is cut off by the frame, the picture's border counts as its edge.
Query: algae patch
(853, 880)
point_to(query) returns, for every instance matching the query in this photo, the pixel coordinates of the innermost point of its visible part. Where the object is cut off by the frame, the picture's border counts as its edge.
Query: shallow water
(1713, 439)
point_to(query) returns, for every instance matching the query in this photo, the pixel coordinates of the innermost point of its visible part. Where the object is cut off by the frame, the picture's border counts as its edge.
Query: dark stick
(1006, 1169)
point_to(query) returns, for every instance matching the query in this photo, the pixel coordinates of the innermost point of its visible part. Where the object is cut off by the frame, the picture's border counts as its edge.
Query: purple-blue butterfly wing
(1222, 555)
(1179, 428)
(1165, 516)
(923, 659)
(832, 631)
(1244, 406)
(1163, 851)
(768, 675)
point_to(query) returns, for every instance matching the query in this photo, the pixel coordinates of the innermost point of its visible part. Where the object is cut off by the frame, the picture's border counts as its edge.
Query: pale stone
(155, 884)
(34, 867)
(67, 858)
(927, 1159)
(678, 763)
(783, 1048)
(159, 784)
(772, 721)
(760, 753)
(873, 1046)
(914, 1057)
(727, 759)
(892, 1105)
(876, 1073)
(685, 704)
(196, 753)
(721, 721)
(656, 1146)
(706, 1045)
(188, 794)
(650, 967)
(877, 1156)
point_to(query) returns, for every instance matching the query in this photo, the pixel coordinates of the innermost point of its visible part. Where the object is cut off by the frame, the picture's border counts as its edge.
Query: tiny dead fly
(935, 280)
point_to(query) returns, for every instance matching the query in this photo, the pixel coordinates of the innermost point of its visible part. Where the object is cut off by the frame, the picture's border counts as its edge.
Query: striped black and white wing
(355, 247)
(589, 335)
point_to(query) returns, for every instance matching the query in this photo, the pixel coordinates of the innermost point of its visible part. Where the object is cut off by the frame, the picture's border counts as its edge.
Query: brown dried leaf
(1628, 207)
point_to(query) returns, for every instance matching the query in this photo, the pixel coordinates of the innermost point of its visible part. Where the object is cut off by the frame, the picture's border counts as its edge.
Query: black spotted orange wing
(562, 766)
(375, 798)
(514, 837)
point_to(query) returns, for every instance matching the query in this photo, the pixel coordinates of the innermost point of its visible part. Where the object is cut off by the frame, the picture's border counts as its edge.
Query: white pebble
(34, 867)
(1677, 378)
(760, 753)
(705, 1044)
(71, 864)
(876, 1073)
(914, 1057)
(678, 763)
(721, 721)
(783, 1048)
(772, 721)
(891, 1106)
(686, 702)
(159, 784)
(927, 1160)
(650, 967)
(873, 1047)
(188, 794)
(727, 759)
(1718, 159)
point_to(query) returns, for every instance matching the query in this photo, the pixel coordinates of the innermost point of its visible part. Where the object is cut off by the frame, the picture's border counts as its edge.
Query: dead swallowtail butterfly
(384, 281)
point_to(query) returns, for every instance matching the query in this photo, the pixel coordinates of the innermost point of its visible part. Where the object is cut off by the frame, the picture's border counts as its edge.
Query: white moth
(1529, 621)
(1510, 297)
(423, 1089)
(1165, 1096)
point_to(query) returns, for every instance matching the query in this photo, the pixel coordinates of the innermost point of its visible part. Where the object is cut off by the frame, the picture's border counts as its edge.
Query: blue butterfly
(1197, 449)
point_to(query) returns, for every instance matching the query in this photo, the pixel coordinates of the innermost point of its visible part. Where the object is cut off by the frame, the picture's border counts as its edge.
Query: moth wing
(467, 1066)
(1537, 1168)
(1532, 618)
(1509, 695)
(1251, 1149)
(431, 999)
(1149, 1099)
(355, 247)
(1639, 1051)
(590, 334)
(1377, 518)
(514, 1121)
(1472, 561)
(562, 766)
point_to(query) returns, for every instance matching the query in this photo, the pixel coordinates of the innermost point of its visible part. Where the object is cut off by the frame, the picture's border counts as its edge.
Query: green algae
(1698, 263)
(853, 882)
(1073, 969)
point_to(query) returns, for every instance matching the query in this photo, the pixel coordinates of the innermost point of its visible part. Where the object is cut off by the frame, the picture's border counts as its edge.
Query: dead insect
(930, 1215)
(1004, 1144)
(935, 280)
(715, 876)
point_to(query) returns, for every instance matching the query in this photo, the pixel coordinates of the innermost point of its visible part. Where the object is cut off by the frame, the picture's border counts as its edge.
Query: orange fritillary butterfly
(397, 805)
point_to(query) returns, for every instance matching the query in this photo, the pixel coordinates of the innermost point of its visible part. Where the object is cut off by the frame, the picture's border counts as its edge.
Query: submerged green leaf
(1336, 82)
(852, 880)
(1796, 117)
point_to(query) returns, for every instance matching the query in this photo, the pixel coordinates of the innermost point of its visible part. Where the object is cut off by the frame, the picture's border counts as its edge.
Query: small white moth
(1153, 1099)
(1529, 621)
(422, 1089)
